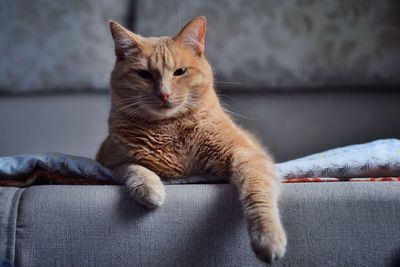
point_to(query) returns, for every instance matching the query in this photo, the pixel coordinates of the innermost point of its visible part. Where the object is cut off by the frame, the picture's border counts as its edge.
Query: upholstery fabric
(9, 203)
(57, 45)
(340, 224)
(289, 44)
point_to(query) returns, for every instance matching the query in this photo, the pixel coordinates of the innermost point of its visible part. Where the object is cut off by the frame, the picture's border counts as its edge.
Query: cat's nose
(164, 96)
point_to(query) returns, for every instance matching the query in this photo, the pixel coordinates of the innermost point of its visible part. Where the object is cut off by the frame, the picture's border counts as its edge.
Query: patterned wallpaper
(57, 45)
(289, 43)
(66, 45)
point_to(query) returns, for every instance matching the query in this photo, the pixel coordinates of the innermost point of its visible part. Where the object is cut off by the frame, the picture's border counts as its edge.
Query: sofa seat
(328, 224)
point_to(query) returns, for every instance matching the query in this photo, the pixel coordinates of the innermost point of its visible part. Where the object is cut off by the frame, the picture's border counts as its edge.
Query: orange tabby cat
(166, 121)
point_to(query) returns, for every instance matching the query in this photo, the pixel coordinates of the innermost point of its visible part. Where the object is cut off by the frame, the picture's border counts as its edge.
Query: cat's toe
(269, 244)
(150, 194)
(152, 197)
(149, 197)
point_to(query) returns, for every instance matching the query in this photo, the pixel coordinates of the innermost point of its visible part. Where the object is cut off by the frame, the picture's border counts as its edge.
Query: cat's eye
(180, 72)
(144, 74)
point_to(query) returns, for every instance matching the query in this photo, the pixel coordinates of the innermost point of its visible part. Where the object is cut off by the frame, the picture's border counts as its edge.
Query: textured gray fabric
(328, 224)
(9, 201)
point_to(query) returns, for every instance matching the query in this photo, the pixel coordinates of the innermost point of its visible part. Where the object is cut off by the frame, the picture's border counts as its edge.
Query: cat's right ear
(126, 42)
(192, 35)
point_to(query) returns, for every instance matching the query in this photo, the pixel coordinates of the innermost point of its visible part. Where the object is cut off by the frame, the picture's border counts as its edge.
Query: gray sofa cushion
(328, 224)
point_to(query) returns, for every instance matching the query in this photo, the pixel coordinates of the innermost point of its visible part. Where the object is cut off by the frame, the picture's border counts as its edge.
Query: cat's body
(171, 148)
(166, 121)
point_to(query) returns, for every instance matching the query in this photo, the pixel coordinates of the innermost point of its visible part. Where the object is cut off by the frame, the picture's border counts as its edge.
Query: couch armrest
(328, 224)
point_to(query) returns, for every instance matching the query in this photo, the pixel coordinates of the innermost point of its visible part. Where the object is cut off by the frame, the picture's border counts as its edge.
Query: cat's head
(159, 78)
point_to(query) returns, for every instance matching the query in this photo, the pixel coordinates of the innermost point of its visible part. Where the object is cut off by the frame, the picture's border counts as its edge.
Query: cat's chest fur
(176, 149)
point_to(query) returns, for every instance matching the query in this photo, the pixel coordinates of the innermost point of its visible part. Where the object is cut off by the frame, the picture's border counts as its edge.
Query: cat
(166, 121)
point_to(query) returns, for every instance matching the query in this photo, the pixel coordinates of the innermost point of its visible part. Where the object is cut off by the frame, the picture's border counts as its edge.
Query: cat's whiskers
(237, 83)
(236, 114)
(191, 103)
(124, 104)
(125, 101)
(128, 108)
(135, 111)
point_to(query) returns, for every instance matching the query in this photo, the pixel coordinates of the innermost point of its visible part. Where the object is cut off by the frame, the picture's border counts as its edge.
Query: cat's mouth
(166, 109)
(167, 105)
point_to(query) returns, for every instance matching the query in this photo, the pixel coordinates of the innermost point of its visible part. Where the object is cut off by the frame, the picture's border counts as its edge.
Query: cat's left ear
(126, 42)
(193, 34)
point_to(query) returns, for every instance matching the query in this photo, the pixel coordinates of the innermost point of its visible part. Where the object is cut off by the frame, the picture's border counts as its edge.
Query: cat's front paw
(269, 244)
(147, 189)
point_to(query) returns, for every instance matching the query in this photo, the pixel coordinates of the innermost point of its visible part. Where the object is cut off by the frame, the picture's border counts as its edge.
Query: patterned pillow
(287, 43)
(57, 45)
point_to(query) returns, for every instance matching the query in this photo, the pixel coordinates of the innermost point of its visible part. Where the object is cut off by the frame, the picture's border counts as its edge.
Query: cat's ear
(193, 34)
(126, 42)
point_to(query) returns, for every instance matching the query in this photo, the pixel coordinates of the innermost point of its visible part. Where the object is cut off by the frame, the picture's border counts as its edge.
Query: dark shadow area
(128, 209)
(396, 259)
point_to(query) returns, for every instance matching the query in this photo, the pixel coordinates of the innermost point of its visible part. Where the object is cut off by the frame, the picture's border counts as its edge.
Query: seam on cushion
(10, 231)
(12, 228)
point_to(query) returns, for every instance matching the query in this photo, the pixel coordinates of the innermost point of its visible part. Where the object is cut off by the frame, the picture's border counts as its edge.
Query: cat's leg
(253, 173)
(143, 184)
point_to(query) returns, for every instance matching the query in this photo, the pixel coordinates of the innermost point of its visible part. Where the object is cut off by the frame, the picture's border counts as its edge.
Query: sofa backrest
(54, 46)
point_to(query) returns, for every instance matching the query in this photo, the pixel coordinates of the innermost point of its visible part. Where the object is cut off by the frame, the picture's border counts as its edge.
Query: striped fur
(189, 134)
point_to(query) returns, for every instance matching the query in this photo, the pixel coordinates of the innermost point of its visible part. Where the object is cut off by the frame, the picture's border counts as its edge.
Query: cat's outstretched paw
(146, 188)
(268, 244)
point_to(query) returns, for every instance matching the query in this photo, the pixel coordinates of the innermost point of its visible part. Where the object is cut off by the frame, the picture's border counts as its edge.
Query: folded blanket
(375, 159)
(57, 168)
(380, 158)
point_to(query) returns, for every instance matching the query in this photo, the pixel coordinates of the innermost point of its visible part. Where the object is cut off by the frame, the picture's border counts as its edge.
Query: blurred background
(304, 75)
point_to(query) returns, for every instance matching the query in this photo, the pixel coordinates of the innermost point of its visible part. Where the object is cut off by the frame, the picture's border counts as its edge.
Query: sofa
(334, 83)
